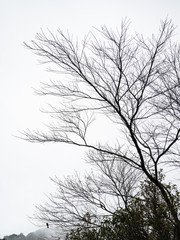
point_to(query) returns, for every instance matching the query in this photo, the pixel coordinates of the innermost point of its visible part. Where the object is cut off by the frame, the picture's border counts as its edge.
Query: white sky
(26, 167)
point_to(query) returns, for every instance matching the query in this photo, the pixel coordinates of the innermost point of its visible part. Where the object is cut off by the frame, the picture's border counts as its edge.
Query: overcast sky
(25, 167)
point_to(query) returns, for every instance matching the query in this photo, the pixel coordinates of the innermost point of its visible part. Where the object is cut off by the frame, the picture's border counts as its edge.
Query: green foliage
(123, 225)
(156, 214)
(82, 233)
(146, 217)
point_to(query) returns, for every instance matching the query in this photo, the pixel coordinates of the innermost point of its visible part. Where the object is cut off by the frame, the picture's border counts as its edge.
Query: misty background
(26, 168)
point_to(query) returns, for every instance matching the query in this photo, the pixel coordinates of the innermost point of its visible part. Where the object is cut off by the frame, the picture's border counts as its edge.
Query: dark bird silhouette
(47, 225)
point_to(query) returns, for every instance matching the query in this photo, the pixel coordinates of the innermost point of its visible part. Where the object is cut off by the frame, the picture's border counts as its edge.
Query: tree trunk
(177, 231)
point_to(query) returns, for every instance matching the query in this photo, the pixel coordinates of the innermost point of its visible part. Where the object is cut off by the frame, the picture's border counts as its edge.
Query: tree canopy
(146, 217)
(134, 82)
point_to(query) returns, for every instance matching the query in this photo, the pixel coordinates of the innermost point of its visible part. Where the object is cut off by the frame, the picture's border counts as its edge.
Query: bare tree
(129, 79)
(90, 198)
